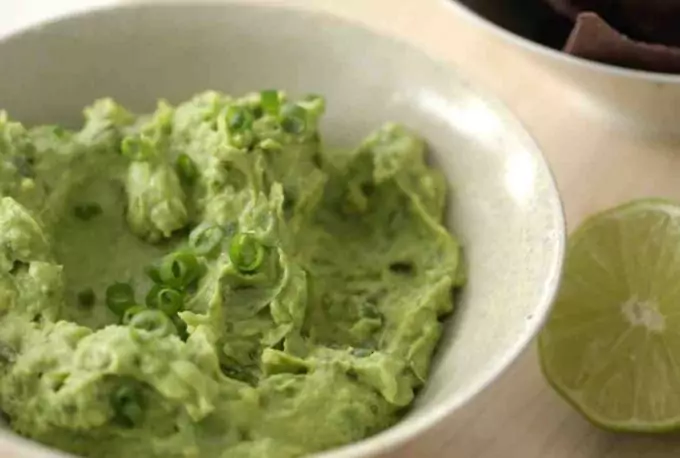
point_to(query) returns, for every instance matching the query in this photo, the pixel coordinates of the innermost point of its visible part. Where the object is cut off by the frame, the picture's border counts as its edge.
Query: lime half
(612, 344)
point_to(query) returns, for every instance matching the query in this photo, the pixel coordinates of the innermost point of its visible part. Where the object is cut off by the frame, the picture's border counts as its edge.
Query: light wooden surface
(597, 163)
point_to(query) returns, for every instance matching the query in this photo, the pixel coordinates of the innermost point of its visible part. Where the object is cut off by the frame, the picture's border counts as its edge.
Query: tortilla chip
(593, 38)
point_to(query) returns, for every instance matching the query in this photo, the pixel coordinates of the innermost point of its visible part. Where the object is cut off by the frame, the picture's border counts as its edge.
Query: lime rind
(615, 362)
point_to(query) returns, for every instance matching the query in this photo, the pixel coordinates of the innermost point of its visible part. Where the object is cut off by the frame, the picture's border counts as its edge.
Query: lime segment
(612, 344)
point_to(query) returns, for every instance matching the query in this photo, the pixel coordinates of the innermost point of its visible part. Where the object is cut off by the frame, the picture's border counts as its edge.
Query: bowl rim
(557, 55)
(397, 435)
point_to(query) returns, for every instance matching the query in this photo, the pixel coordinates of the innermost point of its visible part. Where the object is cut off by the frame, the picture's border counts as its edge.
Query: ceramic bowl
(643, 101)
(503, 204)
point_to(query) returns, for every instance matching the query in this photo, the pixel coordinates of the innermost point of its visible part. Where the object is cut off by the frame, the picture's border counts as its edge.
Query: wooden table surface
(597, 163)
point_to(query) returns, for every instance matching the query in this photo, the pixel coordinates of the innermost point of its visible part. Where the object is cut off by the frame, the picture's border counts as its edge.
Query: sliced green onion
(370, 310)
(179, 269)
(361, 352)
(312, 97)
(246, 253)
(186, 168)
(120, 297)
(269, 100)
(152, 296)
(152, 323)
(153, 272)
(58, 131)
(169, 301)
(131, 312)
(137, 148)
(269, 144)
(204, 239)
(55, 380)
(238, 118)
(127, 403)
(23, 165)
(86, 298)
(181, 327)
(87, 211)
(230, 228)
(294, 119)
(7, 353)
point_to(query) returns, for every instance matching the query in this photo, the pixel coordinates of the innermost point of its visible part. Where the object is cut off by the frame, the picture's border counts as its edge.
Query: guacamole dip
(210, 281)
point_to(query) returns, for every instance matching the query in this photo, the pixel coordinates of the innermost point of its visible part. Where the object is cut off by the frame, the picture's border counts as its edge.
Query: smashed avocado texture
(210, 281)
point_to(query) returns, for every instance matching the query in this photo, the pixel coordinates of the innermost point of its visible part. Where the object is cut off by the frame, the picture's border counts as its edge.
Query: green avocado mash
(210, 281)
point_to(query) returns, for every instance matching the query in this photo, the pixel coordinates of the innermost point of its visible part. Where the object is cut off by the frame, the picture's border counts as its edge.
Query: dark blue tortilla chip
(642, 34)
(592, 38)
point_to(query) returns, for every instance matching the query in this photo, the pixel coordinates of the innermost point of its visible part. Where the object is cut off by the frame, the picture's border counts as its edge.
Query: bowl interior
(503, 204)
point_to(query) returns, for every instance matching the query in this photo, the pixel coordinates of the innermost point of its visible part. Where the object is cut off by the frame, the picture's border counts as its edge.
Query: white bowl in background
(643, 101)
(503, 204)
